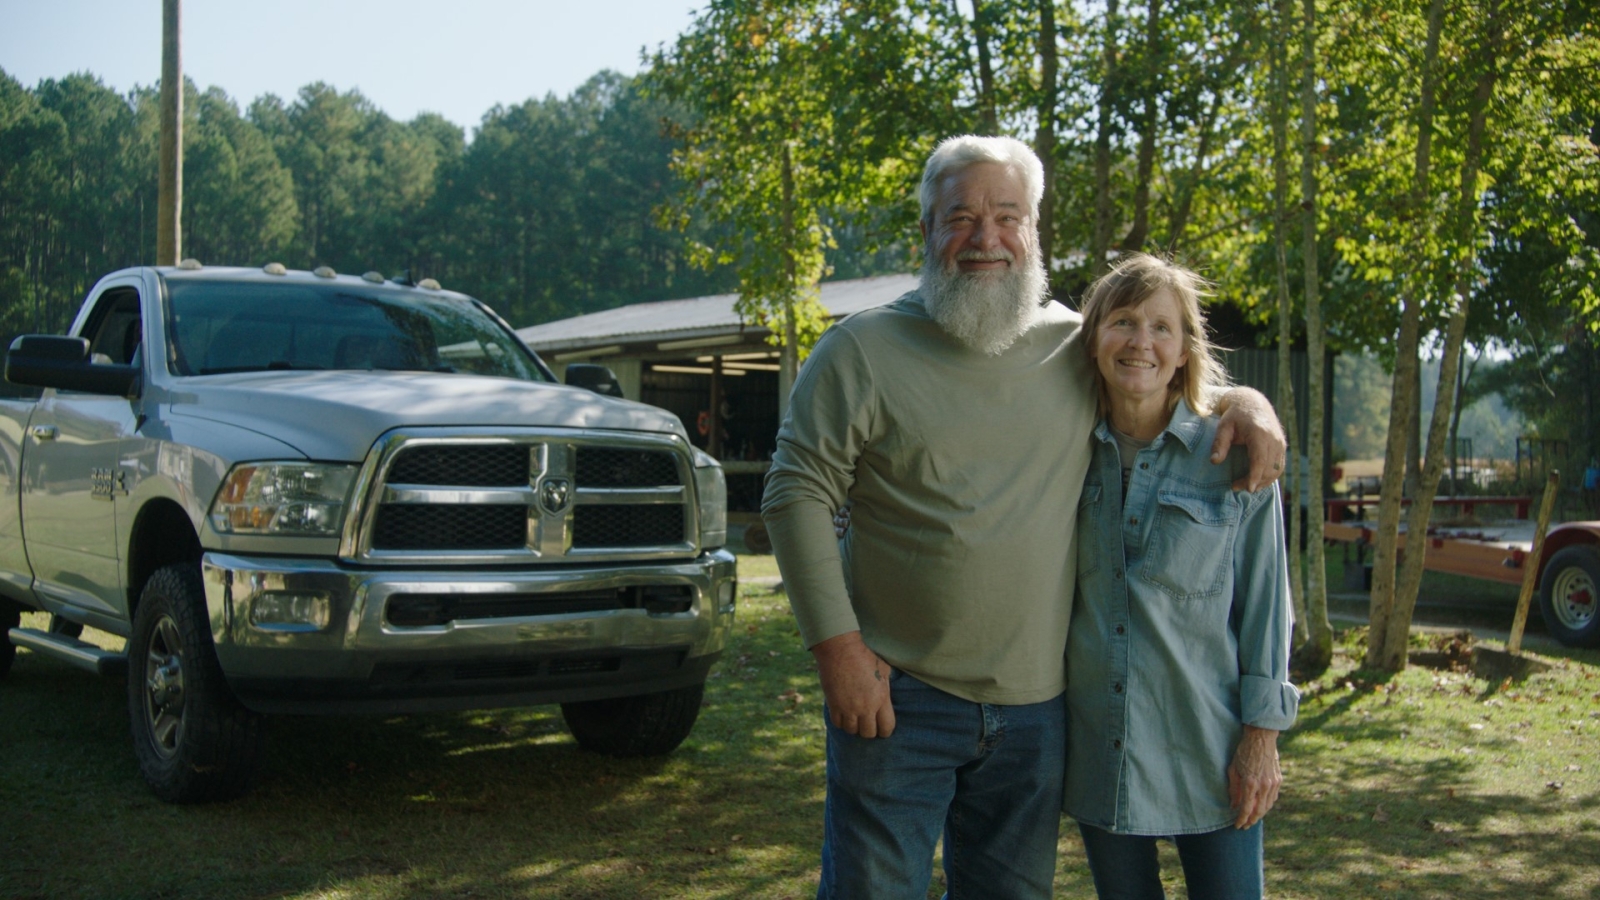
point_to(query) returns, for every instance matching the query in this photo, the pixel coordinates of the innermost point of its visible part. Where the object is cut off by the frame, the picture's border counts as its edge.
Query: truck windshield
(216, 327)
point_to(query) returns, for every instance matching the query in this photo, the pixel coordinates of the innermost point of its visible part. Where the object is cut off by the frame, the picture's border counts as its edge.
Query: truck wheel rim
(1574, 596)
(163, 695)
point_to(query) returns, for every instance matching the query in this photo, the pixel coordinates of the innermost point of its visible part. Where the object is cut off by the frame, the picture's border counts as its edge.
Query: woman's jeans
(1225, 864)
(986, 776)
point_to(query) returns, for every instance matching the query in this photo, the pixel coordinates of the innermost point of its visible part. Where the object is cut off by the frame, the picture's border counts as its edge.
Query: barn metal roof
(698, 317)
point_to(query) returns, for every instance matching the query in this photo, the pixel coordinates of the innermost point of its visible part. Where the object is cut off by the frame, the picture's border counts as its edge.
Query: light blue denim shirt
(1180, 635)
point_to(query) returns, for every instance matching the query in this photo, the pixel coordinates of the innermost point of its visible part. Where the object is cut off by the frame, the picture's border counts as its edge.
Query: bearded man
(956, 423)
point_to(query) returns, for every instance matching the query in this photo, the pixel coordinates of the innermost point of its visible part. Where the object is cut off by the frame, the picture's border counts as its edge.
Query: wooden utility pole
(169, 218)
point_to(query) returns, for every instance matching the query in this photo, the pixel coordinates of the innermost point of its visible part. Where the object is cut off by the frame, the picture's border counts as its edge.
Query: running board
(79, 653)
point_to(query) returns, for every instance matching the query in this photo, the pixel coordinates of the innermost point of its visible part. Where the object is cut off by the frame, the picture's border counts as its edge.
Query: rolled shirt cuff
(1268, 702)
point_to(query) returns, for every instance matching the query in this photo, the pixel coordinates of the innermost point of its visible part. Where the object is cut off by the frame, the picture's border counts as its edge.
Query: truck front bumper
(314, 636)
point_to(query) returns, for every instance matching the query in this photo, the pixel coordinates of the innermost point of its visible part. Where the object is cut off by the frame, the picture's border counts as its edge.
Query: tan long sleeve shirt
(963, 472)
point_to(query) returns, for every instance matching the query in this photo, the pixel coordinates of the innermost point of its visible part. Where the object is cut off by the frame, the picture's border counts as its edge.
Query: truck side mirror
(597, 378)
(53, 361)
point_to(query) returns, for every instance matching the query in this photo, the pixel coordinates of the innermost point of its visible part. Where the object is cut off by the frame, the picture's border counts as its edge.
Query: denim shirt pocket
(1089, 530)
(1191, 542)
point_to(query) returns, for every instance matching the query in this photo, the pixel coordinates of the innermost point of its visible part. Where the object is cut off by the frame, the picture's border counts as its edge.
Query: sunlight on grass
(1432, 783)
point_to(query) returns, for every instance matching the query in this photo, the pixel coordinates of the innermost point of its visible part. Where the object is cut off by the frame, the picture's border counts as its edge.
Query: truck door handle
(44, 432)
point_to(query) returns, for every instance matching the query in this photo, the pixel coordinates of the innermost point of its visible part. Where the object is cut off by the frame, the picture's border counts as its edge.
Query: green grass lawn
(1430, 784)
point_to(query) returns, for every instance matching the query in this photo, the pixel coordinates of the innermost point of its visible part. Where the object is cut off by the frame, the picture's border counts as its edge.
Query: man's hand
(855, 682)
(1248, 419)
(1253, 776)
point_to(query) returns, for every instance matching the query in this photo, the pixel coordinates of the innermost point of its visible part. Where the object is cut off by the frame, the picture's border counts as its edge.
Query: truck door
(16, 405)
(72, 471)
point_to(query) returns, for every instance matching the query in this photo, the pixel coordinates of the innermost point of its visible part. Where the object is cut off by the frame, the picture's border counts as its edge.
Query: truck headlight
(294, 499)
(712, 488)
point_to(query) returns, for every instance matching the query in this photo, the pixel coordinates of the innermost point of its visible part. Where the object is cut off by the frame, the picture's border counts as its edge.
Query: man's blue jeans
(1225, 864)
(989, 777)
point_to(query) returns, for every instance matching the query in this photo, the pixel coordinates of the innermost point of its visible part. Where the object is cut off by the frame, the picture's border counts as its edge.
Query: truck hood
(338, 415)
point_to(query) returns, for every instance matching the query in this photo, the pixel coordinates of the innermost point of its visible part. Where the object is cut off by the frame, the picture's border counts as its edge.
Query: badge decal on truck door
(103, 483)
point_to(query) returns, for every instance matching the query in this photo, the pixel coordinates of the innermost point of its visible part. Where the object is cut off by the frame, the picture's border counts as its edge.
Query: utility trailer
(1568, 564)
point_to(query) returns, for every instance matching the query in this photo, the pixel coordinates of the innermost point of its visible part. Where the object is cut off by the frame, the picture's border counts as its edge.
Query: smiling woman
(1187, 577)
(1137, 351)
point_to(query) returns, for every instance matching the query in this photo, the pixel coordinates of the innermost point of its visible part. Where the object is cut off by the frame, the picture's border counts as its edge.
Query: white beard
(985, 311)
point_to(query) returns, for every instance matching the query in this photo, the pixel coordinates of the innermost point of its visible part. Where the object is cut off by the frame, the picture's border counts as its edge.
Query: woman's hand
(841, 521)
(1253, 776)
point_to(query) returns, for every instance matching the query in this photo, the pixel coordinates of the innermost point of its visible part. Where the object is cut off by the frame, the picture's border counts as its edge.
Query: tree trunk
(1403, 401)
(1410, 580)
(1045, 138)
(1100, 239)
(1314, 655)
(788, 358)
(169, 215)
(1189, 182)
(1150, 85)
(1454, 448)
(1414, 445)
(1279, 113)
(990, 122)
(1463, 376)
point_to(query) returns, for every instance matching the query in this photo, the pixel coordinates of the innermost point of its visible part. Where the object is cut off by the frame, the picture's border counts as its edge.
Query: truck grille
(425, 610)
(487, 527)
(525, 499)
(492, 465)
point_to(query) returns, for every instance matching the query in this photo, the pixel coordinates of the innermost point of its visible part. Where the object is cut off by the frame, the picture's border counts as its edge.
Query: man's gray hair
(956, 153)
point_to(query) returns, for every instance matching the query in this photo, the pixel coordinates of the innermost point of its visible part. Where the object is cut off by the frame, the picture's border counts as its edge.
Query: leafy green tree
(1503, 52)
(238, 198)
(799, 109)
(1314, 654)
(322, 139)
(32, 141)
(98, 214)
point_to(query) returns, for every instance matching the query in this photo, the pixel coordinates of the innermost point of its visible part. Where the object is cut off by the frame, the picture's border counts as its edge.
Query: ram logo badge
(554, 495)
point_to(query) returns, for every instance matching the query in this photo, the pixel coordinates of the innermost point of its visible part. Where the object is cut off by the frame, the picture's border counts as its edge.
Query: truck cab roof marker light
(190, 264)
(373, 277)
(274, 268)
(324, 272)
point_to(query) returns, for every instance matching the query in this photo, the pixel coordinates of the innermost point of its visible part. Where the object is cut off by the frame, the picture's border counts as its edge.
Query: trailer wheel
(756, 539)
(194, 741)
(1569, 596)
(10, 617)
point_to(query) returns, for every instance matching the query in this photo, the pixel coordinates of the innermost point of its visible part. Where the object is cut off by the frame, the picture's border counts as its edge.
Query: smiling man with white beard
(956, 422)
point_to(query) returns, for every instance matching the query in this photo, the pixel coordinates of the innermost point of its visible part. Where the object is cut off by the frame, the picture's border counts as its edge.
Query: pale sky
(454, 57)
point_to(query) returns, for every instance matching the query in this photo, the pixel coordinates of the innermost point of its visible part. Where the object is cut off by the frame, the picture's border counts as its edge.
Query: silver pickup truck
(303, 492)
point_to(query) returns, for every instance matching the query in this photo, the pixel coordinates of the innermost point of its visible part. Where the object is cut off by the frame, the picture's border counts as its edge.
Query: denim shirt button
(1122, 629)
(1117, 743)
(1117, 688)
(1133, 521)
(1144, 465)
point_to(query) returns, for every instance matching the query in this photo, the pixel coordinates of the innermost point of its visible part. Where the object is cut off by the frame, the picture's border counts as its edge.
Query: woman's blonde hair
(1136, 278)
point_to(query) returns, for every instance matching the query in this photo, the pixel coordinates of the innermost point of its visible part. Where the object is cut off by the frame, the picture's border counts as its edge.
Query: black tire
(194, 741)
(10, 617)
(1569, 596)
(641, 725)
